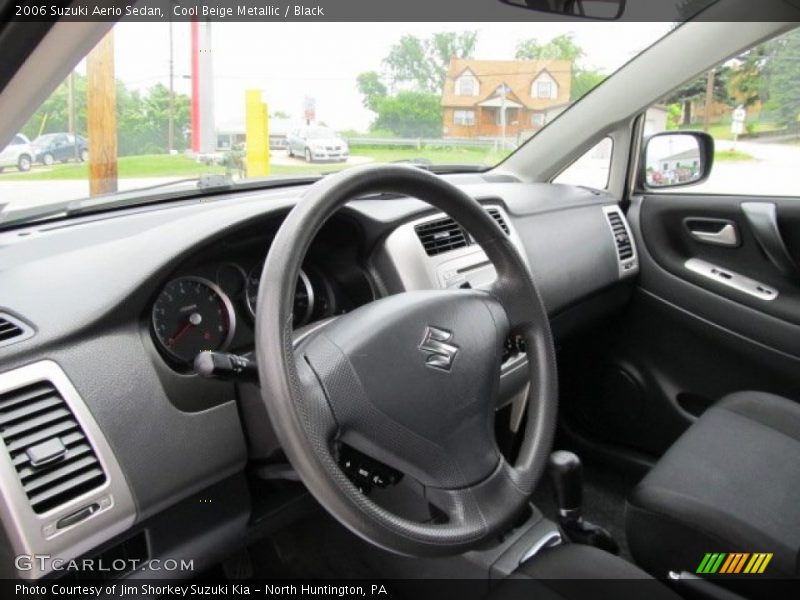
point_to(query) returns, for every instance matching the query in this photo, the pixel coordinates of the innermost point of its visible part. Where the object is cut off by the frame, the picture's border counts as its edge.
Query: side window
(591, 169)
(751, 107)
(18, 140)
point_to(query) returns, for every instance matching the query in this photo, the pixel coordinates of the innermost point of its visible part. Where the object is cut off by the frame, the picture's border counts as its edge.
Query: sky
(289, 61)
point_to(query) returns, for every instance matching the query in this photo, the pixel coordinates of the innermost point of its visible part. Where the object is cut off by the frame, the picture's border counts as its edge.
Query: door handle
(719, 232)
(763, 220)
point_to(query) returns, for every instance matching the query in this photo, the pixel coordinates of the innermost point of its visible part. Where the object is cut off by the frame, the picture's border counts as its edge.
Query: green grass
(151, 165)
(722, 131)
(164, 165)
(732, 155)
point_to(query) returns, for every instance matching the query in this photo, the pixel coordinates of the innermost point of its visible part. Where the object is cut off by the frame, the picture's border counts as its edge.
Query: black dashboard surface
(87, 286)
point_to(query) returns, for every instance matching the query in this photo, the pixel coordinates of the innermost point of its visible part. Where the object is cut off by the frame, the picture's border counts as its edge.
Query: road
(774, 170)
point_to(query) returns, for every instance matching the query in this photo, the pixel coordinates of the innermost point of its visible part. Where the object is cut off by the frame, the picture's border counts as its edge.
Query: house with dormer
(491, 98)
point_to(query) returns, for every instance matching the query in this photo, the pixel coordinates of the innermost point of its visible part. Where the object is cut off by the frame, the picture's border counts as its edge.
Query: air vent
(13, 330)
(495, 214)
(621, 237)
(53, 459)
(441, 235)
(9, 330)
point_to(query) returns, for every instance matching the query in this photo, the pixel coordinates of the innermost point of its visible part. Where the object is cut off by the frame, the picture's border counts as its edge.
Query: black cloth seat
(730, 484)
(575, 572)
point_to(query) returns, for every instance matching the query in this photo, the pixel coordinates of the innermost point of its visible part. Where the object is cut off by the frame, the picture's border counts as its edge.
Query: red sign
(310, 108)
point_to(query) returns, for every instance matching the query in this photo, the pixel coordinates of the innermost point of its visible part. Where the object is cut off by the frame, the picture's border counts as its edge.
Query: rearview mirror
(603, 10)
(673, 159)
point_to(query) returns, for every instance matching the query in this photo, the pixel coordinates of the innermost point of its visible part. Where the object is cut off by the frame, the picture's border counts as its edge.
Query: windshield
(321, 132)
(231, 102)
(44, 139)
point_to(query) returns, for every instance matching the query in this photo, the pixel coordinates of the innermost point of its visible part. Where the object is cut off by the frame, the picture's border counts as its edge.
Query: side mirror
(601, 10)
(676, 158)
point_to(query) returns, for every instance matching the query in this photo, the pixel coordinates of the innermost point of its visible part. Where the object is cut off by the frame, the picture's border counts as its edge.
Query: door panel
(667, 242)
(686, 339)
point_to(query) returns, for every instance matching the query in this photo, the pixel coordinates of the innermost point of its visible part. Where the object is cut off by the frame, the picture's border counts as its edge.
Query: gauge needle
(194, 320)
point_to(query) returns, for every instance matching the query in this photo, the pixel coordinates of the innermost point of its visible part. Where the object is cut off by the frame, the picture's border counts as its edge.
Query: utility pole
(171, 132)
(709, 100)
(101, 117)
(71, 112)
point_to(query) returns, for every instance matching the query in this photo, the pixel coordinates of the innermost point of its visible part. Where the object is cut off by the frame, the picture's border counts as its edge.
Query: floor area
(604, 494)
(319, 547)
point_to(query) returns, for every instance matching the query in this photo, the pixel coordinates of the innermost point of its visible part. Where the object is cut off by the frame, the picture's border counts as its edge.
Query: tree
(52, 115)
(695, 90)
(142, 118)
(783, 80)
(279, 114)
(410, 114)
(372, 88)
(583, 82)
(563, 47)
(423, 62)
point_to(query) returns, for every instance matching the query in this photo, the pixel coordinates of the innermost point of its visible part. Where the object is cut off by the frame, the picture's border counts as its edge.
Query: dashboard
(111, 310)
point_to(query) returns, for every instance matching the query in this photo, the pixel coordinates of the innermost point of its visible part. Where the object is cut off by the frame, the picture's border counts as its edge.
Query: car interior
(478, 375)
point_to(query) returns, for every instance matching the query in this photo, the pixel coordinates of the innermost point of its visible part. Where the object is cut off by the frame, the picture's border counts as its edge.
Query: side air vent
(623, 242)
(12, 330)
(495, 214)
(441, 235)
(53, 459)
(621, 237)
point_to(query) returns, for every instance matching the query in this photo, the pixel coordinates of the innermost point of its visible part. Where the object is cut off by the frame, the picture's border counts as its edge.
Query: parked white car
(18, 153)
(317, 144)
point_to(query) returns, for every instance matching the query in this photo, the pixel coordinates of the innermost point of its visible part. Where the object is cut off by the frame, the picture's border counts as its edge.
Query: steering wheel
(410, 380)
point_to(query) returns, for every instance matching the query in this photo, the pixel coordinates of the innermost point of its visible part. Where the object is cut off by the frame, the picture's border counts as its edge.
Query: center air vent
(621, 237)
(441, 235)
(495, 214)
(53, 459)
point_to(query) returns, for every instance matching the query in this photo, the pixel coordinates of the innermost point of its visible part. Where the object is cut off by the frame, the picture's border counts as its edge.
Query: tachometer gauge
(303, 295)
(192, 314)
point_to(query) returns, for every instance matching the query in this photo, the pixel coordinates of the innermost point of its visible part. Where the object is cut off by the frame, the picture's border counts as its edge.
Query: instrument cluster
(213, 307)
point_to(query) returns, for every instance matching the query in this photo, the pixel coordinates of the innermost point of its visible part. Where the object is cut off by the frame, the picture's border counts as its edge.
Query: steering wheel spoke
(496, 501)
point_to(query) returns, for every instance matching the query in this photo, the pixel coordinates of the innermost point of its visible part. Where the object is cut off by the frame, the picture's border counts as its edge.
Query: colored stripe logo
(734, 563)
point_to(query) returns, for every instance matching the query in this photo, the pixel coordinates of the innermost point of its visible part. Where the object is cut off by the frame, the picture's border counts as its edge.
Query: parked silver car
(17, 154)
(317, 143)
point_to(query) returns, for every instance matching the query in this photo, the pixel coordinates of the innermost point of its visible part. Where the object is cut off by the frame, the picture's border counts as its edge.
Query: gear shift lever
(566, 473)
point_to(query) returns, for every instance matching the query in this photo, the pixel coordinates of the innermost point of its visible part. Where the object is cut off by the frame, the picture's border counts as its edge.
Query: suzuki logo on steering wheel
(439, 354)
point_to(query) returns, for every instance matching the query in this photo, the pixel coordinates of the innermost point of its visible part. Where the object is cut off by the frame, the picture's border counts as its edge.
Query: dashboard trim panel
(36, 534)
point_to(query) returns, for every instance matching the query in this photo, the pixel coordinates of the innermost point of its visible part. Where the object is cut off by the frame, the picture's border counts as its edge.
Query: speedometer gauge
(303, 296)
(192, 314)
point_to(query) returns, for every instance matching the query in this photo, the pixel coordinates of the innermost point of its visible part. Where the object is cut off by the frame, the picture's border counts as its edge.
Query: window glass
(591, 169)
(543, 89)
(237, 107)
(464, 117)
(753, 114)
(466, 86)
